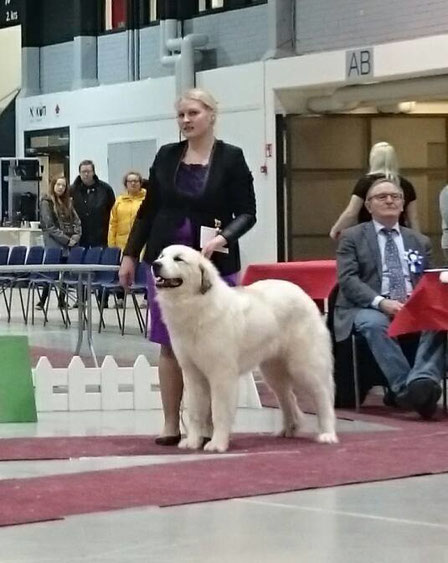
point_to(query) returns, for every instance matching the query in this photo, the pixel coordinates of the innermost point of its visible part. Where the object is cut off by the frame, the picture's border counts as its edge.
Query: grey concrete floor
(394, 521)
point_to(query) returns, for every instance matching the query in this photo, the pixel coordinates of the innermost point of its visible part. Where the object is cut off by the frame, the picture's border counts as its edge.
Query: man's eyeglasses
(383, 197)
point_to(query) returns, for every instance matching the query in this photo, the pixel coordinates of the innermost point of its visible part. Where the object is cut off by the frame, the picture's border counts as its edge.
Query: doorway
(326, 155)
(52, 147)
(129, 155)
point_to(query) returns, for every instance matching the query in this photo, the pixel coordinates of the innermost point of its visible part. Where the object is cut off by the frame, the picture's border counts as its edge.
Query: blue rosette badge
(415, 261)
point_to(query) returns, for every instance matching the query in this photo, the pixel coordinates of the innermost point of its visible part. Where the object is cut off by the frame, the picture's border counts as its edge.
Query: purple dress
(190, 180)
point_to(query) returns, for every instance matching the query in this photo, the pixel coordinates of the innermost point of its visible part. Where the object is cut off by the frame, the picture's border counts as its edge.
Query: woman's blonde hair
(199, 95)
(383, 160)
(62, 204)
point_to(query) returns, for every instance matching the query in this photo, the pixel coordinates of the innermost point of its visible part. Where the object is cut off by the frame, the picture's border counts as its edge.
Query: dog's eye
(177, 259)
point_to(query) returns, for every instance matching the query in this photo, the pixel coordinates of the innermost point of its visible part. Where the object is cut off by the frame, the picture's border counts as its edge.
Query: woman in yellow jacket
(125, 209)
(123, 213)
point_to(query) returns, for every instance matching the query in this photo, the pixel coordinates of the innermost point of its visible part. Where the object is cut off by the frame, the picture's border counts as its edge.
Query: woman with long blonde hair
(201, 182)
(383, 163)
(59, 222)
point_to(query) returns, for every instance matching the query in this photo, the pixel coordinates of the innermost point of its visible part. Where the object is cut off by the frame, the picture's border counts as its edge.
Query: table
(316, 277)
(426, 308)
(15, 236)
(84, 298)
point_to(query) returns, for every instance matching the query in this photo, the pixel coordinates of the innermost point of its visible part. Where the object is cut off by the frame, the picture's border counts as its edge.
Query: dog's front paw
(191, 443)
(327, 438)
(216, 446)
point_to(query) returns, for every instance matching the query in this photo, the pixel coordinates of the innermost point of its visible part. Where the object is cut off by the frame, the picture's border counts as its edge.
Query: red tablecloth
(426, 309)
(316, 277)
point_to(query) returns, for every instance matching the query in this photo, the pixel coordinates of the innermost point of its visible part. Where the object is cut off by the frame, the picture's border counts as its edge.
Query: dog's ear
(206, 283)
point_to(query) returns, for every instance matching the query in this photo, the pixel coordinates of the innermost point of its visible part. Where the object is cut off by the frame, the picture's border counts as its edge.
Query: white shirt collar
(379, 226)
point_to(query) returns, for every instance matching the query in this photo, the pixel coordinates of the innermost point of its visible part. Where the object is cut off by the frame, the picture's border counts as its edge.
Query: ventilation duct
(180, 52)
(383, 94)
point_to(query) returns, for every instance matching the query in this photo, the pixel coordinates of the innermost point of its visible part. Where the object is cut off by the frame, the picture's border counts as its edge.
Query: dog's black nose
(156, 267)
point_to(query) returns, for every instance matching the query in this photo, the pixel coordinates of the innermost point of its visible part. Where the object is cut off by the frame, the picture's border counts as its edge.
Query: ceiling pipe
(349, 97)
(180, 52)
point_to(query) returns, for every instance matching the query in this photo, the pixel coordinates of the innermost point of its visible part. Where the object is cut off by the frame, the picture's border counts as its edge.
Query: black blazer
(228, 196)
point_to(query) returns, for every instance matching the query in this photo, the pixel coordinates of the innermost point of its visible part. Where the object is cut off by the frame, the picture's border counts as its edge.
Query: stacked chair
(69, 282)
(138, 287)
(16, 257)
(103, 280)
(40, 280)
(34, 257)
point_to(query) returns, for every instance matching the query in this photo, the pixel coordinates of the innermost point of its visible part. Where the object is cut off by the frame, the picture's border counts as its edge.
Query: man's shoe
(39, 307)
(423, 395)
(389, 399)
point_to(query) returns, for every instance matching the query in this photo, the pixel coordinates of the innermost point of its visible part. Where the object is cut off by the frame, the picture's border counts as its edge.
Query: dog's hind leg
(276, 376)
(314, 378)
(224, 393)
(326, 418)
(198, 408)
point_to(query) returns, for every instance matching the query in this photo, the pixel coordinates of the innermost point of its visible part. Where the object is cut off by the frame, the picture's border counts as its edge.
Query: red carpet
(74, 447)
(272, 466)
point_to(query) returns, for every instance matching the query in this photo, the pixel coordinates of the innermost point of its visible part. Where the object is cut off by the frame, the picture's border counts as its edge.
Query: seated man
(375, 280)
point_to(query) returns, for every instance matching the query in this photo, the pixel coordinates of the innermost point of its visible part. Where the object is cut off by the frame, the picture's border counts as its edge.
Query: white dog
(218, 333)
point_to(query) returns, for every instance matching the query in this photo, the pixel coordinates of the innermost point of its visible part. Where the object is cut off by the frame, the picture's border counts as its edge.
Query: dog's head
(183, 270)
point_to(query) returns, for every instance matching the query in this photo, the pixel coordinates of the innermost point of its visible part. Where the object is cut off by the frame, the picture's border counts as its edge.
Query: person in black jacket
(200, 182)
(383, 164)
(93, 200)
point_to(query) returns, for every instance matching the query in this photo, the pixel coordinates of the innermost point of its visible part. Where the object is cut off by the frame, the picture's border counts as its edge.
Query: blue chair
(75, 256)
(91, 256)
(103, 280)
(137, 288)
(34, 257)
(41, 280)
(4, 255)
(17, 257)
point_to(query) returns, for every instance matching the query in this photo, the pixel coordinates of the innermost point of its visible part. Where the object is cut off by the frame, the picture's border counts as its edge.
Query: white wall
(248, 101)
(145, 110)
(10, 62)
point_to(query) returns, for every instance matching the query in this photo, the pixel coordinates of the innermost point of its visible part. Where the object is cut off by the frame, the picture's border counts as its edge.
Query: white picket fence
(110, 387)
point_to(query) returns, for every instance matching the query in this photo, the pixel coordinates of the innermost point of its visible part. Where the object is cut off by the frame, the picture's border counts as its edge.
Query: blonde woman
(59, 222)
(201, 181)
(123, 214)
(383, 163)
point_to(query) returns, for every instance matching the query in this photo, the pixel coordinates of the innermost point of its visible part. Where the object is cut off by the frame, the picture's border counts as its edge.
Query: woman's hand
(335, 234)
(217, 242)
(126, 273)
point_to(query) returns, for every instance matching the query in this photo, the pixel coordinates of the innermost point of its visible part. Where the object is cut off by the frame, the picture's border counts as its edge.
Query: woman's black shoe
(168, 440)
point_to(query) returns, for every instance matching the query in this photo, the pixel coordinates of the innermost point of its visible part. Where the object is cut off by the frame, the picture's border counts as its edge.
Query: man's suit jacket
(360, 271)
(228, 197)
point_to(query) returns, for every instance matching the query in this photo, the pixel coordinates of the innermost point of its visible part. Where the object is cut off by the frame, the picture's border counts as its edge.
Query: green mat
(17, 403)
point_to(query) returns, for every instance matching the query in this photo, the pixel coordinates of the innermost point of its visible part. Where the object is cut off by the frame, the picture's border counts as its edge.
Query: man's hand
(390, 307)
(217, 242)
(126, 273)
